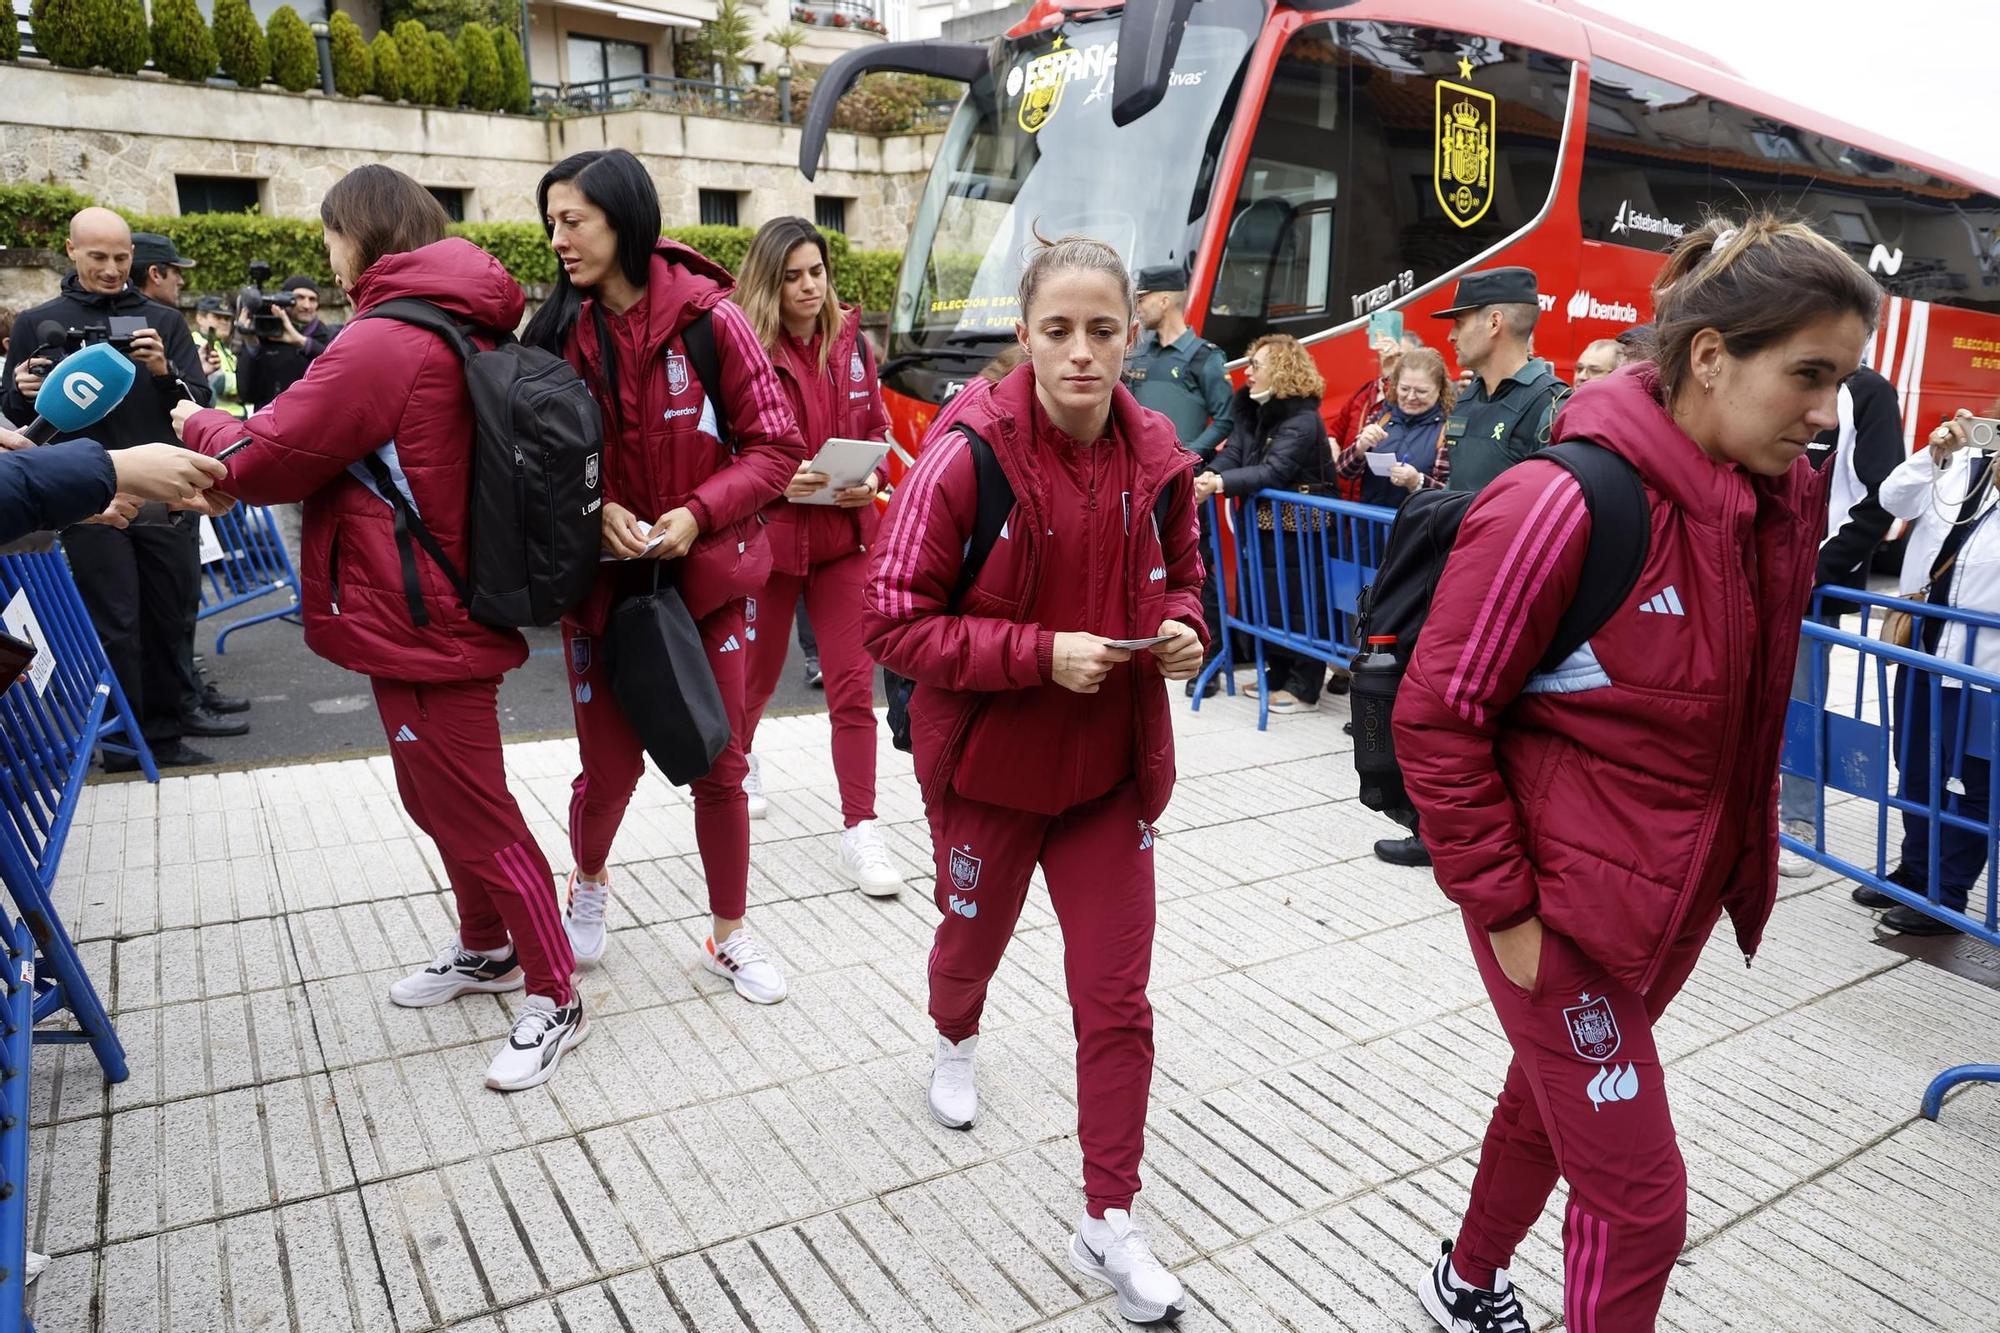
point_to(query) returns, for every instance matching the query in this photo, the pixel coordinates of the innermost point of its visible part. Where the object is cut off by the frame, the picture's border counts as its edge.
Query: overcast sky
(1925, 72)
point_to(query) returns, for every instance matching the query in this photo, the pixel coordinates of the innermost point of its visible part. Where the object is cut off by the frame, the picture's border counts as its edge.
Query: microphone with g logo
(80, 392)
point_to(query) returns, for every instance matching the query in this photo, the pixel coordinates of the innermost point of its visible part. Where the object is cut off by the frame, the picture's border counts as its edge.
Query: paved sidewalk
(292, 1152)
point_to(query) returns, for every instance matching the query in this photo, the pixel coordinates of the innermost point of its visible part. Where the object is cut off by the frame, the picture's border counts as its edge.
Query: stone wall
(124, 139)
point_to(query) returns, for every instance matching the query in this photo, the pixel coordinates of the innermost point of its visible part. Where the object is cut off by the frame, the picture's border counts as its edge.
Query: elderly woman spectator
(1409, 432)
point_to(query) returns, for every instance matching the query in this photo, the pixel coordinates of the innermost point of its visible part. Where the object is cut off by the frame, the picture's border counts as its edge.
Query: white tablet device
(847, 463)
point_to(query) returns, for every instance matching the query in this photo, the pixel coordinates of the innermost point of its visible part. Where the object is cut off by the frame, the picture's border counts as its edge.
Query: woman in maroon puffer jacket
(1038, 738)
(1595, 821)
(679, 487)
(391, 389)
(820, 550)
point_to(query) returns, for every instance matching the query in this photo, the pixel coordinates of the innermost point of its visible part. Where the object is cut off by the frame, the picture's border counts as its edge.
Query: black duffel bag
(663, 683)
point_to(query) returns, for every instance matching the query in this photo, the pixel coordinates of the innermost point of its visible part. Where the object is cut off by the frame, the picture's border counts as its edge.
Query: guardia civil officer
(1178, 373)
(1514, 396)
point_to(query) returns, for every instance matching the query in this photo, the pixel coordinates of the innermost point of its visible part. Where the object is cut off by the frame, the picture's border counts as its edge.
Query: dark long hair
(383, 212)
(616, 182)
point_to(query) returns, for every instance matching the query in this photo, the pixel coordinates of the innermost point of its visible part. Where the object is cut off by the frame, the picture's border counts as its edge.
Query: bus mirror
(966, 62)
(1148, 41)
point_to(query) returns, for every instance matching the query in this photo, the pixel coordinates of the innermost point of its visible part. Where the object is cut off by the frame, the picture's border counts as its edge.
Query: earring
(1708, 386)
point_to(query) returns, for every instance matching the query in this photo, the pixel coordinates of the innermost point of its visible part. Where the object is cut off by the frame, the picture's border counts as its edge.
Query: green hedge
(386, 60)
(483, 88)
(66, 31)
(10, 39)
(294, 53)
(239, 44)
(353, 68)
(413, 45)
(513, 72)
(183, 47)
(223, 244)
(447, 71)
(124, 43)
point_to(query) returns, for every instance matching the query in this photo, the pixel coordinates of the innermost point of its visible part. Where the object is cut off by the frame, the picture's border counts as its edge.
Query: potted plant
(839, 20)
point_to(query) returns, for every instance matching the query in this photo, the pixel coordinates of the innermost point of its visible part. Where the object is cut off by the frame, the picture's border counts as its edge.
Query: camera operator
(136, 581)
(282, 336)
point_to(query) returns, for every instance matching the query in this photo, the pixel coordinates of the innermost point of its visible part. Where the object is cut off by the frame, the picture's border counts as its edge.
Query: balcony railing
(693, 97)
(661, 92)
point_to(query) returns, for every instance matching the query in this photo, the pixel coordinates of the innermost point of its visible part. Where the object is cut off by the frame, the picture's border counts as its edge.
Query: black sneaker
(1213, 688)
(1903, 877)
(1459, 1308)
(813, 679)
(166, 754)
(206, 722)
(1408, 851)
(215, 701)
(1909, 921)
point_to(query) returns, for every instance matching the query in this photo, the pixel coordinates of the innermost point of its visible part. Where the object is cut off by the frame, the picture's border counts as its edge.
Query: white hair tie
(1728, 235)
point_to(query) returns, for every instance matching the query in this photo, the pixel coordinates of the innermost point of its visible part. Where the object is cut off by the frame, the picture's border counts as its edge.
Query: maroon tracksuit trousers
(613, 758)
(833, 599)
(1585, 1100)
(444, 740)
(1098, 861)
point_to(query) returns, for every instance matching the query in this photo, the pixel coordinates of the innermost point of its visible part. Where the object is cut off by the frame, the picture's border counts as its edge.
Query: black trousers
(138, 584)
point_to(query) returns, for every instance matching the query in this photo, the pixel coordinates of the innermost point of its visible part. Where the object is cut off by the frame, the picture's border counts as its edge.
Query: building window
(719, 208)
(218, 194)
(453, 198)
(830, 213)
(610, 72)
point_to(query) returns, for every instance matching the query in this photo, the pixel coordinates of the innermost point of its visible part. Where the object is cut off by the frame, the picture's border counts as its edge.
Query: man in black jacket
(158, 272)
(135, 582)
(1867, 446)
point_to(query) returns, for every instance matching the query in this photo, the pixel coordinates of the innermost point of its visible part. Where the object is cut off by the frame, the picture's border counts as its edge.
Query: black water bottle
(1377, 673)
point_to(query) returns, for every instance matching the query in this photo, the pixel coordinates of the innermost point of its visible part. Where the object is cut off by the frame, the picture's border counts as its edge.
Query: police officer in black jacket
(134, 581)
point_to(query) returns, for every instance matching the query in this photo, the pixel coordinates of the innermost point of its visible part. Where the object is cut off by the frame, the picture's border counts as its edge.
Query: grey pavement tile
(209, 1046)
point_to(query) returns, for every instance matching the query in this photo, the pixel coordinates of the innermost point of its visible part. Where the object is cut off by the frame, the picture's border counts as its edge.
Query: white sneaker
(583, 922)
(1791, 864)
(954, 1099)
(1113, 1249)
(743, 960)
(753, 787)
(865, 859)
(454, 972)
(535, 1047)
(1460, 1307)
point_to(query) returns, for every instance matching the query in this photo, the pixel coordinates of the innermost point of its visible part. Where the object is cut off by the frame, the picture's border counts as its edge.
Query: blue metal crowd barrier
(1861, 744)
(1298, 581)
(254, 564)
(47, 732)
(17, 1026)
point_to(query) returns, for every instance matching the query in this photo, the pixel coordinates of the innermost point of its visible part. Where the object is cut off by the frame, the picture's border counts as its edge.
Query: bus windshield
(1032, 148)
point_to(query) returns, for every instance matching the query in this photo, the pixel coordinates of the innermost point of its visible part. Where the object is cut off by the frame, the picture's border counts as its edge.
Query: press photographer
(282, 334)
(137, 581)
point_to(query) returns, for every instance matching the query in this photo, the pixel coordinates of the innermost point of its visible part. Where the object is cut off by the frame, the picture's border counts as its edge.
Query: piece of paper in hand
(1381, 464)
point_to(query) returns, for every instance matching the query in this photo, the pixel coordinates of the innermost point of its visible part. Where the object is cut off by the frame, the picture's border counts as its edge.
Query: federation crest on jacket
(1593, 1028)
(855, 370)
(677, 374)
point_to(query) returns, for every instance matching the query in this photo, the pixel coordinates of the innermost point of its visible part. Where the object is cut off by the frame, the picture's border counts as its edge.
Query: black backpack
(533, 528)
(995, 503)
(1398, 602)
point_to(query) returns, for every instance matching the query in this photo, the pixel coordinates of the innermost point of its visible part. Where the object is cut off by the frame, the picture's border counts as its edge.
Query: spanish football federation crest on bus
(1463, 174)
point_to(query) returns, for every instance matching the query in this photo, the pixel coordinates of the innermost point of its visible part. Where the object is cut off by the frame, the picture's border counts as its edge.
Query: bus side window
(1347, 201)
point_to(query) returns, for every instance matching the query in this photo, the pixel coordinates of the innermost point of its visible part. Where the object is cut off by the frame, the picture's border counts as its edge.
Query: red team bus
(1313, 161)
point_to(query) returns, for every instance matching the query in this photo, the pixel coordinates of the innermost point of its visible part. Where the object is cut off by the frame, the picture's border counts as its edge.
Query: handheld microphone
(80, 392)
